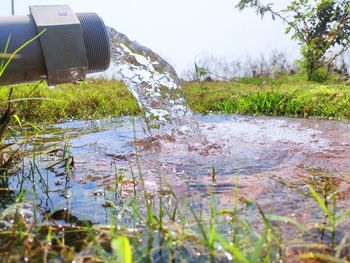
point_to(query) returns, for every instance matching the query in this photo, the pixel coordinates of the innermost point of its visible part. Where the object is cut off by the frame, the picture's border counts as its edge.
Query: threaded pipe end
(96, 41)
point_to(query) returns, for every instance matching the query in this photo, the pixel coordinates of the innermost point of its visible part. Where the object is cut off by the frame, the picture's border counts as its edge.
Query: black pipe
(96, 41)
(71, 46)
(29, 63)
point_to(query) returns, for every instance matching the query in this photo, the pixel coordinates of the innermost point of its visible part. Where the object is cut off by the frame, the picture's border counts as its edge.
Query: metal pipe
(13, 7)
(71, 46)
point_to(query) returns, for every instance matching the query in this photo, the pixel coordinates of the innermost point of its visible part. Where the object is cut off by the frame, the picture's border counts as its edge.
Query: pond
(273, 158)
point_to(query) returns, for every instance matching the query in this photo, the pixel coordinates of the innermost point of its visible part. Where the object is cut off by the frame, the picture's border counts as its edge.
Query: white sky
(179, 30)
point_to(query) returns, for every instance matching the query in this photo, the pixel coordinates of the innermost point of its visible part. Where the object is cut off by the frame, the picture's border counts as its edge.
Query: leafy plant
(319, 26)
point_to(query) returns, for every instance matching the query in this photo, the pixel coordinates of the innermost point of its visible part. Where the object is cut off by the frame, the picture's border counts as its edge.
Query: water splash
(154, 83)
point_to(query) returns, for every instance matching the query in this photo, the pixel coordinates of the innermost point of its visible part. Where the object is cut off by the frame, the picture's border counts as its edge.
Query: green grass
(284, 96)
(89, 99)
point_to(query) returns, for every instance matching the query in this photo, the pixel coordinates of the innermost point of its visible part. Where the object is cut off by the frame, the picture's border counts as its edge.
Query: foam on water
(245, 144)
(259, 131)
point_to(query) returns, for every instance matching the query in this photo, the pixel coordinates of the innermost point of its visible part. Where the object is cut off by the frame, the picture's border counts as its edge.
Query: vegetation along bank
(289, 95)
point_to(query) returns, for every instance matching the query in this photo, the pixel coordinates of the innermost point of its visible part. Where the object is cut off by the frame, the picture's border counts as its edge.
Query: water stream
(155, 85)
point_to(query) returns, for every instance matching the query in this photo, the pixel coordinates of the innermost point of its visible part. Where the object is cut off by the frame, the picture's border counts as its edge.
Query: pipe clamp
(62, 43)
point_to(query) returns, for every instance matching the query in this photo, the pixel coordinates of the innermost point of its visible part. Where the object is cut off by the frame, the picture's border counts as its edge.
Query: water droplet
(228, 256)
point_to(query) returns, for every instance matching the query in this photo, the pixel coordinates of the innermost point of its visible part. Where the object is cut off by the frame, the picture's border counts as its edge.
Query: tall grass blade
(5, 55)
(321, 203)
(289, 220)
(121, 249)
(258, 250)
(18, 50)
(235, 251)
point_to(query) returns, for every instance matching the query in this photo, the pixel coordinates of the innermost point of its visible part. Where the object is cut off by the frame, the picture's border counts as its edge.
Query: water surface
(275, 158)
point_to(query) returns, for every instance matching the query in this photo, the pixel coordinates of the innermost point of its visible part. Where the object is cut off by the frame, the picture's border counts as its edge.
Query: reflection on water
(274, 158)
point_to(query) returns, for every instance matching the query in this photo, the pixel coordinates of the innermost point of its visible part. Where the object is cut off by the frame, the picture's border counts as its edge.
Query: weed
(285, 96)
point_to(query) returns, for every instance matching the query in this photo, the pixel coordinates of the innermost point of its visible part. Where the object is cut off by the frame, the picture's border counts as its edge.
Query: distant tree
(319, 27)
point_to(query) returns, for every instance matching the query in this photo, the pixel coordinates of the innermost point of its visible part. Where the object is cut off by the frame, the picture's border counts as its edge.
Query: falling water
(154, 83)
